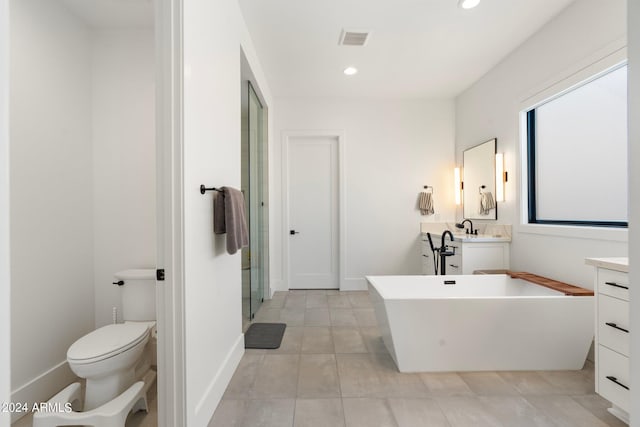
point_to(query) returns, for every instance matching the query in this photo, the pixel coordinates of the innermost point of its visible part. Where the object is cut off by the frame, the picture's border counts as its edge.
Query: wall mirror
(479, 181)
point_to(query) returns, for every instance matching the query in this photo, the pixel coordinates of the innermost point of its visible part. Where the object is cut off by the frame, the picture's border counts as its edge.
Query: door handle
(292, 232)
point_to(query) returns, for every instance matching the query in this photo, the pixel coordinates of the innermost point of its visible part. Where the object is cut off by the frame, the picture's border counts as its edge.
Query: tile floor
(333, 370)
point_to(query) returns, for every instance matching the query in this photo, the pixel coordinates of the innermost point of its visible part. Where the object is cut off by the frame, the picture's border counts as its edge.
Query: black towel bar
(204, 189)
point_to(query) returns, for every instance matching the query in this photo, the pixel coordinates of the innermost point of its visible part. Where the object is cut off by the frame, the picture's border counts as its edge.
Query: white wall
(392, 148)
(634, 202)
(5, 289)
(123, 108)
(213, 34)
(586, 31)
(51, 194)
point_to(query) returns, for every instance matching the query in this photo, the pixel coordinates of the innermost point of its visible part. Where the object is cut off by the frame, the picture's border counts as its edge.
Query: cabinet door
(479, 256)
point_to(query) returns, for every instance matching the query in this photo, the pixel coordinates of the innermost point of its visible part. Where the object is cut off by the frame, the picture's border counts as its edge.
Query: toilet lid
(107, 341)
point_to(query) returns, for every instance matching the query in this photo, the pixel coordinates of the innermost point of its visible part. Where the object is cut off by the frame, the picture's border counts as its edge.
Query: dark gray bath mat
(264, 335)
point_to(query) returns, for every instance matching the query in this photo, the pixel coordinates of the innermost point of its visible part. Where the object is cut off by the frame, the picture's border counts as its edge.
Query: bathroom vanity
(611, 289)
(472, 252)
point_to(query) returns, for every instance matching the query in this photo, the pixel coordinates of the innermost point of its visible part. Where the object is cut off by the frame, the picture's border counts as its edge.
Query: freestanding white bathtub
(480, 322)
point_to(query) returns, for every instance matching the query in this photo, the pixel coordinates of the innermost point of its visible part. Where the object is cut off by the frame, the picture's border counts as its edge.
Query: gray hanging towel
(219, 226)
(229, 217)
(425, 203)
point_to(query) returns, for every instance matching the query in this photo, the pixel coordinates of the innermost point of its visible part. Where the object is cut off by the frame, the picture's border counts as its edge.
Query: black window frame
(531, 186)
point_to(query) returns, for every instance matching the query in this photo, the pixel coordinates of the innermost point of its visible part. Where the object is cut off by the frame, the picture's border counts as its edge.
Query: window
(577, 155)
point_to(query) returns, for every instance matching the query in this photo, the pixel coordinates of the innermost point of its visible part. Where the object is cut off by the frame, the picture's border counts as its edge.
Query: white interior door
(313, 212)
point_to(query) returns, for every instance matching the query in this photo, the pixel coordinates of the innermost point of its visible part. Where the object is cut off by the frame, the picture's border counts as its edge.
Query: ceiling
(417, 48)
(103, 14)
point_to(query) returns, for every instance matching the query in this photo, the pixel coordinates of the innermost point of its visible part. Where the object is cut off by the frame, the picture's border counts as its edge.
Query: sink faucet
(470, 231)
(444, 253)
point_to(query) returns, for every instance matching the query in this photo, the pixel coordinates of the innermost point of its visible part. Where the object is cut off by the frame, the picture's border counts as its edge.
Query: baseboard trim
(354, 284)
(278, 285)
(43, 387)
(213, 394)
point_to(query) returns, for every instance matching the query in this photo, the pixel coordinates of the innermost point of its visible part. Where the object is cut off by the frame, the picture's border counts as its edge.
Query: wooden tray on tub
(556, 285)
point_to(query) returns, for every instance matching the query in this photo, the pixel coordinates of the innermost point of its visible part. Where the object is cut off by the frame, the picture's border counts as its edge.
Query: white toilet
(114, 357)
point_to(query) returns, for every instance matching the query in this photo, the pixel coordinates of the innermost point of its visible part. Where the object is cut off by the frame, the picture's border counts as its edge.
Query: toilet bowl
(107, 358)
(112, 358)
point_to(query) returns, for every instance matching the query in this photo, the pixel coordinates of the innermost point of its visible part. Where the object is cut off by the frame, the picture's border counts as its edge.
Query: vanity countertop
(617, 264)
(480, 238)
(488, 233)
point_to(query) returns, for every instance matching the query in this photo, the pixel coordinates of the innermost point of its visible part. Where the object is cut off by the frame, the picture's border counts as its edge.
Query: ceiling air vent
(354, 37)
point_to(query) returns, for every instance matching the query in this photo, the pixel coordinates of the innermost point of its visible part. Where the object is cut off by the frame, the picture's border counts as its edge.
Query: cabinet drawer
(424, 246)
(454, 264)
(613, 321)
(613, 377)
(427, 264)
(613, 283)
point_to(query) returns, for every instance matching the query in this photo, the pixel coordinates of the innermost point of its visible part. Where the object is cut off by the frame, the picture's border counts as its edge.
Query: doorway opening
(83, 105)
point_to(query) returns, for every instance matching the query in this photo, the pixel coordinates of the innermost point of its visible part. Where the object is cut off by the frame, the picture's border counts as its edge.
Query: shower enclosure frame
(255, 179)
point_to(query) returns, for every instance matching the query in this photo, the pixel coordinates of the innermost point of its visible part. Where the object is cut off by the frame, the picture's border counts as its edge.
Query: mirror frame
(474, 176)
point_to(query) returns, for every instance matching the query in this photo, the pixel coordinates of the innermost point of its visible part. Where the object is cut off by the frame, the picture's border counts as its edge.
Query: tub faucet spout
(445, 234)
(444, 253)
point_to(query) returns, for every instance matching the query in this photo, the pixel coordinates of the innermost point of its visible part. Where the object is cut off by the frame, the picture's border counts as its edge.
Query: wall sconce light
(501, 177)
(456, 185)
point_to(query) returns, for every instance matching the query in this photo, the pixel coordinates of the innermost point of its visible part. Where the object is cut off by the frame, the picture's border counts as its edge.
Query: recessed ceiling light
(468, 4)
(350, 71)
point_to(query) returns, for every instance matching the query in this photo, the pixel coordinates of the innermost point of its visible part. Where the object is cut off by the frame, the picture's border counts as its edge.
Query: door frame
(170, 293)
(169, 189)
(5, 278)
(342, 223)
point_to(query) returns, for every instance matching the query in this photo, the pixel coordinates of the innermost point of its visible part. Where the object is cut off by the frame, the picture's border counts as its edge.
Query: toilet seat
(107, 342)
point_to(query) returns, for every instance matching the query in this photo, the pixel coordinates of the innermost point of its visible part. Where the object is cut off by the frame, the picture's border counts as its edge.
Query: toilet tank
(138, 294)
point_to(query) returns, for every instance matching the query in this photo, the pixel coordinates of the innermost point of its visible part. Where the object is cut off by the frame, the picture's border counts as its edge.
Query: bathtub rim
(371, 281)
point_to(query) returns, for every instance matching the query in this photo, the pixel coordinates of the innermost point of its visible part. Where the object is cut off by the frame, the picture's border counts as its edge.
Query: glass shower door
(257, 200)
